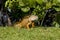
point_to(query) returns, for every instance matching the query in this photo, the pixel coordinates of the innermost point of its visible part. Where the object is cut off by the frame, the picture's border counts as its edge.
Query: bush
(39, 6)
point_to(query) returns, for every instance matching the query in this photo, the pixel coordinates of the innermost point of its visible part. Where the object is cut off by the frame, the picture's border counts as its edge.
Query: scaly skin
(26, 22)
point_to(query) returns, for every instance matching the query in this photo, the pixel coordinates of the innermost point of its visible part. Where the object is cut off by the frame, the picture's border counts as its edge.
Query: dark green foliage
(39, 6)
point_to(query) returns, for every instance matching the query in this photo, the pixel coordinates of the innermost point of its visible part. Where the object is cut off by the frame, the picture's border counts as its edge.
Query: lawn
(38, 33)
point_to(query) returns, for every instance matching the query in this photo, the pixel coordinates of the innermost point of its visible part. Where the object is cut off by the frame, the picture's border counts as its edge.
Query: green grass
(39, 33)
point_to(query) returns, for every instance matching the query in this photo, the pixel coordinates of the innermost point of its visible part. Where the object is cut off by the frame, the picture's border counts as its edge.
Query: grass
(39, 33)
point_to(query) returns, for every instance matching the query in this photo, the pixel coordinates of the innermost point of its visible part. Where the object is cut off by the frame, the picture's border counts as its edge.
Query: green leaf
(40, 1)
(21, 4)
(56, 1)
(57, 9)
(48, 5)
(32, 3)
(6, 4)
(25, 9)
